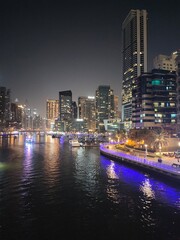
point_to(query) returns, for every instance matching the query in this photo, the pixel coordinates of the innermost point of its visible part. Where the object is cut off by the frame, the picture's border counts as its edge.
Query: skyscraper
(154, 100)
(178, 90)
(87, 112)
(104, 106)
(52, 112)
(116, 107)
(65, 110)
(4, 107)
(74, 110)
(134, 30)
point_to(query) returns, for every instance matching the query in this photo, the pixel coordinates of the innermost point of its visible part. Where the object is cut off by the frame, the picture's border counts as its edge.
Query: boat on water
(74, 143)
(29, 139)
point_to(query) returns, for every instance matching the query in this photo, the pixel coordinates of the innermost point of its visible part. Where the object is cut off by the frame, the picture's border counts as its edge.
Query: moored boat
(29, 139)
(74, 143)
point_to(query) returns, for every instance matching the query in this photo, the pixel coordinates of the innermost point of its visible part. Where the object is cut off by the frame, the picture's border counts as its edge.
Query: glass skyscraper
(134, 30)
(65, 110)
(104, 106)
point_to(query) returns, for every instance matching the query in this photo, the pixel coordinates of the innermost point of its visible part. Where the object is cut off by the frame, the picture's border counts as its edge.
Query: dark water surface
(49, 190)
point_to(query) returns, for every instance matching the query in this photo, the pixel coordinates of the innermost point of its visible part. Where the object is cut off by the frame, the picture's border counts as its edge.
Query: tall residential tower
(65, 110)
(104, 106)
(52, 112)
(134, 30)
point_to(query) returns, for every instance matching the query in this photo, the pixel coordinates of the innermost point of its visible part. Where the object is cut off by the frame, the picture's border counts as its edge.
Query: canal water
(49, 190)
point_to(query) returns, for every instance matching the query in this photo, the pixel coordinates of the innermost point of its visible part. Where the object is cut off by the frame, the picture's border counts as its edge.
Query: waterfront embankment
(163, 168)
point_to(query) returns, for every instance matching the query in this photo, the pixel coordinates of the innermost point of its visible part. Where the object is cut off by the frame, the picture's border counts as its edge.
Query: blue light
(151, 188)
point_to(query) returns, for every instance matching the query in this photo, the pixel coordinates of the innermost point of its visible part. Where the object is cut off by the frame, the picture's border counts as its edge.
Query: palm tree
(160, 140)
(121, 135)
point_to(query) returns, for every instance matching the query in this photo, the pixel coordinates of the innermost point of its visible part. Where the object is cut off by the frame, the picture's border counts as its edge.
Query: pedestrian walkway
(167, 167)
(169, 160)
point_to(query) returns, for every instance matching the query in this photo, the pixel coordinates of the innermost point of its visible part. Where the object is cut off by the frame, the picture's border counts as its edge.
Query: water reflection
(151, 188)
(55, 187)
(51, 161)
(112, 192)
(85, 170)
(111, 171)
(8, 140)
(146, 201)
(28, 154)
(146, 188)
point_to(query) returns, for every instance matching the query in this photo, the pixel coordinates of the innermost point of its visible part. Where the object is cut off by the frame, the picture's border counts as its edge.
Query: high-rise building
(20, 115)
(65, 110)
(28, 118)
(15, 121)
(87, 112)
(134, 31)
(104, 106)
(36, 120)
(165, 62)
(116, 107)
(154, 100)
(52, 112)
(74, 110)
(5, 107)
(178, 90)
(81, 102)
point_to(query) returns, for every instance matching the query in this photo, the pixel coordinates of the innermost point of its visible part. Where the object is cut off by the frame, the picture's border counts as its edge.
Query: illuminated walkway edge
(156, 167)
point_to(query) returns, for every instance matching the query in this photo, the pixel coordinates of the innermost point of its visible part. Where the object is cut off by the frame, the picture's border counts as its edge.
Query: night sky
(52, 46)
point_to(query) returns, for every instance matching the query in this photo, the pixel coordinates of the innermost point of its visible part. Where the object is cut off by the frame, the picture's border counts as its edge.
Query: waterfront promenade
(169, 166)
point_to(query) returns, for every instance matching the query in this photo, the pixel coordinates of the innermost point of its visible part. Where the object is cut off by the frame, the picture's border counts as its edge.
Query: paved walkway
(165, 167)
(165, 159)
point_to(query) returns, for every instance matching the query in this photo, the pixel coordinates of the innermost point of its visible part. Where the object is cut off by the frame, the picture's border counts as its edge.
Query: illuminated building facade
(154, 100)
(87, 112)
(74, 110)
(104, 106)
(134, 31)
(116, 107)
(113, 125)
(5, 107)
(52, 113)
(16, 119)
(78, 125)
(165, 62)
(36, 120)
(81, 103)
(178, 91)
(65, 110)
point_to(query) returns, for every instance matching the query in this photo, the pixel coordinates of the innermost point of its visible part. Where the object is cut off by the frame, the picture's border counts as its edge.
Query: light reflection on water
(152, 195)
(150, 187)
(146, 188)
(53, 185)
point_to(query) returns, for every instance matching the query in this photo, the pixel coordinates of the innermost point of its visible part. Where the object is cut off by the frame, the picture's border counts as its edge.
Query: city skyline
(48, 47)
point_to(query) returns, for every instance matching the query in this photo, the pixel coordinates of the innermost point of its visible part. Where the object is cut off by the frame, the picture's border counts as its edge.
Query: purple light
(141, 161)
(149, 187)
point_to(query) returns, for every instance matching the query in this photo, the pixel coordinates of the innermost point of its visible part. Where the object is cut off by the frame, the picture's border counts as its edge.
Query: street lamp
(145, 150)
(178, 152)
(160, 150)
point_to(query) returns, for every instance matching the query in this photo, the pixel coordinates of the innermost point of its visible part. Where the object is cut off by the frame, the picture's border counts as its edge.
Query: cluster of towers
(149, 98)
(90, 114)
(15, 116)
